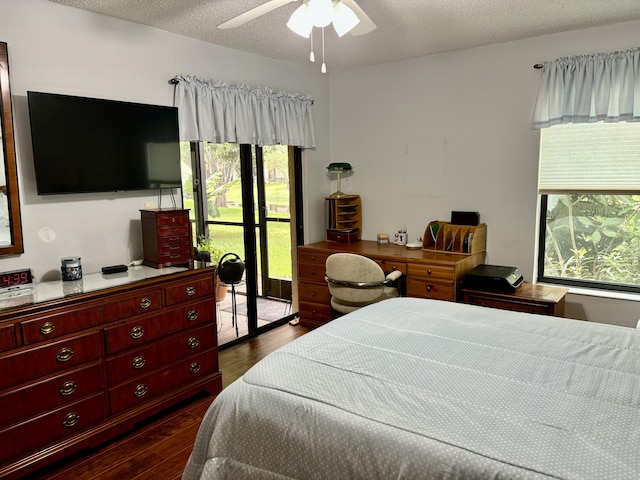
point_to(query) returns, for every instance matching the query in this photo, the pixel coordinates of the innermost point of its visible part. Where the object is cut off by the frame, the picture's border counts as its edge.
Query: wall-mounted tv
(85, 145)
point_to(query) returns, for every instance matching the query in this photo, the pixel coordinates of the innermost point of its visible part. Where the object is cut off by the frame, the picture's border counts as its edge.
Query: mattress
(415, 388)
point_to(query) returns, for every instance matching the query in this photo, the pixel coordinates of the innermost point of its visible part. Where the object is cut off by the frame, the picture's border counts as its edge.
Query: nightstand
(543, 299)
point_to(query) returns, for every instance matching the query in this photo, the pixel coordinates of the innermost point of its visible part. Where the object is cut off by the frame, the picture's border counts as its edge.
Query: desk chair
(355, 281)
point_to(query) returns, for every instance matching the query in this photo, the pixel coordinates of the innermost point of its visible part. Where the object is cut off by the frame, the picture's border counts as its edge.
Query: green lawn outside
(230, 238)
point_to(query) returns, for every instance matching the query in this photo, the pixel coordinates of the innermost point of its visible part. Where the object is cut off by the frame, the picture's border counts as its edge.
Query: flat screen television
(85, 145)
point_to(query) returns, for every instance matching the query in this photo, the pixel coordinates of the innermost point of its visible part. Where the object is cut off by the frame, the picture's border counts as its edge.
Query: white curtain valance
(589, 88)
(219, 112)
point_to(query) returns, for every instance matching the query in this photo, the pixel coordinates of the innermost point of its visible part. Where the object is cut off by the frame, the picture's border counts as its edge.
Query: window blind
(590, 157)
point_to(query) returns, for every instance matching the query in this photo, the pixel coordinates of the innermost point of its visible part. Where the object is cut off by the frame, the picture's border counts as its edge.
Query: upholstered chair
(355, 281)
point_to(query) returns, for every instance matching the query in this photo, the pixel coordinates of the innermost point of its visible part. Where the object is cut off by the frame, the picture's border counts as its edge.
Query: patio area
(269, 310)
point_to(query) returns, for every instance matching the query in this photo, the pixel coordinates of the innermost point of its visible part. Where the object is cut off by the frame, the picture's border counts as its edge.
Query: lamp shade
(321, 12)
(339, 167)
(300, 21)
(344, 19)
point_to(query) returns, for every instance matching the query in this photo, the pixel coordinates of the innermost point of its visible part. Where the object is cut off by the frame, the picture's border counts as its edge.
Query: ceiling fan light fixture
(320, 12)
(344, 18)
(300, 21)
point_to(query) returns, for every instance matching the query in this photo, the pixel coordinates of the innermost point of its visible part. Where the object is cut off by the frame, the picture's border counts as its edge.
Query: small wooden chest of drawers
(166, 237)
(542, 299)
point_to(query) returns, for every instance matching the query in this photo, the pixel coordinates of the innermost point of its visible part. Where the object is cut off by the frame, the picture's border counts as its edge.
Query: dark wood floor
(160, 448)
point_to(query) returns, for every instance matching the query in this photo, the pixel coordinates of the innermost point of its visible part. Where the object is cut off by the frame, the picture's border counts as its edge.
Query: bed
(414, 388)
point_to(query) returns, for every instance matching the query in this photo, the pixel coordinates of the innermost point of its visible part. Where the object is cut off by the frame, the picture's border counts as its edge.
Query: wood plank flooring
(159, 449)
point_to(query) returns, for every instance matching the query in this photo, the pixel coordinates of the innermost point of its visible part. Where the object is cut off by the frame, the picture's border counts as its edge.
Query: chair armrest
(396, 274)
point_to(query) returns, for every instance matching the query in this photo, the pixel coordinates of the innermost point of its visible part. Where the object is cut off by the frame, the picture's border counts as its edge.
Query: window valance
(589, 88)
(219, 112)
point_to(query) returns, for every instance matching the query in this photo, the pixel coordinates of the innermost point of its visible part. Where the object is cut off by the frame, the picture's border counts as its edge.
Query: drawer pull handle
(429, 271)
(429, 288)
(141, 390)
(192, 316)
(137, 332)
(313, 272)
(145, 303)
(67, 388)
(191, 291)
(194, 368)
(47, 328)
(64, 355)
(70, 419)
(138, 362)
(313, 258)
(313, 294)
(193, 342)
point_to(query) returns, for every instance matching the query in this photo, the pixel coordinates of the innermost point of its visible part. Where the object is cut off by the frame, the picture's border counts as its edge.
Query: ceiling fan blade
(254, 13)
(366, 25)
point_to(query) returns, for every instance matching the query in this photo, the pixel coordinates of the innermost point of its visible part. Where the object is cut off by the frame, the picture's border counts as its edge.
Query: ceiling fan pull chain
(324, 66)
(312, 56)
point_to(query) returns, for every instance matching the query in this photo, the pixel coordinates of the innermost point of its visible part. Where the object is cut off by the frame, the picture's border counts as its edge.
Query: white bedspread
(413, 388)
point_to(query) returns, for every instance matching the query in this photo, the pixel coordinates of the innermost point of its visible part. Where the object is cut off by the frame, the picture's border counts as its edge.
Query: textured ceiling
(406, 28)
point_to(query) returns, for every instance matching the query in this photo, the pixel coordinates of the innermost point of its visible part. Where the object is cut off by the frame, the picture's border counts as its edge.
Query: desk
(427, 274)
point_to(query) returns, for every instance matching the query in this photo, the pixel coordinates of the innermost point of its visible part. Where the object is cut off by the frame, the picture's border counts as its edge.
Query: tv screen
(94, 145)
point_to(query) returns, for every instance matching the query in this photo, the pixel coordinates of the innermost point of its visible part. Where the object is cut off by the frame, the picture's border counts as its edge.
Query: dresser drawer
(516, 306)
(191, 290)
(173, 230)
(142, 360)
(430, 271)
(175, 248)
(61, 323)
(315, 293)
(147, 387)
(7, 337)
(433, 288)
(389, 266)
(48, 394)
(316, 311)
(24, 365)
(171, 218)
(312, 258)
(169, 259)
(309, 272)
(63, 422)
(139, 332)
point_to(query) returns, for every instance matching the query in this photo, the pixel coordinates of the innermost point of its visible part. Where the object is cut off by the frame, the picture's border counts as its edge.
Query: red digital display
(15, 278)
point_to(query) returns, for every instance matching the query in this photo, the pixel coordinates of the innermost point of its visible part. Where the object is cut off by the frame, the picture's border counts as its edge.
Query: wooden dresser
(427, 273)
(80, 369)
(166, 237)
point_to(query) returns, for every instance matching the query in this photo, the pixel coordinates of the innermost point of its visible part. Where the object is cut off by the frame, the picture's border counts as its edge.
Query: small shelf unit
(343, 212)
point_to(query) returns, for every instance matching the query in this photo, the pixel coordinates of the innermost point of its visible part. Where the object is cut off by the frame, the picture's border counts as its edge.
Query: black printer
(493, 278)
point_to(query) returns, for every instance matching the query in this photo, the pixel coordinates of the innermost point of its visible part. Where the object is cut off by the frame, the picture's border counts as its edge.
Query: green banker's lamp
(338, 169)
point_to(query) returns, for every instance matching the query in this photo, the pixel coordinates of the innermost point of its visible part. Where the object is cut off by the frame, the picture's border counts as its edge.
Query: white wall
(53, 48)
(452, 132)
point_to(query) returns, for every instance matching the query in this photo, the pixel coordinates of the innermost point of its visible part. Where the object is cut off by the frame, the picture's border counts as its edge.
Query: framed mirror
(10, 222)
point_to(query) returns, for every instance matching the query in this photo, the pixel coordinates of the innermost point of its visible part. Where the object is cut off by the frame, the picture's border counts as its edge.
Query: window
(589, 221)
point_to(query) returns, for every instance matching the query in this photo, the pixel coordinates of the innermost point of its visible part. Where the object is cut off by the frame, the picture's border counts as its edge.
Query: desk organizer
(460, 239)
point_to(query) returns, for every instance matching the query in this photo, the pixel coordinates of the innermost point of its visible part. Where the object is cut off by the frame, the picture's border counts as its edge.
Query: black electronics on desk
(493, 278)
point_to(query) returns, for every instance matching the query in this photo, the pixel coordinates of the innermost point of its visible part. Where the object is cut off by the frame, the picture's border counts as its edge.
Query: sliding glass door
(240, 198)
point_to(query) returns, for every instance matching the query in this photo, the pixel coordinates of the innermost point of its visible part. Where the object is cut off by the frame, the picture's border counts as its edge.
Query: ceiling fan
(345, 15)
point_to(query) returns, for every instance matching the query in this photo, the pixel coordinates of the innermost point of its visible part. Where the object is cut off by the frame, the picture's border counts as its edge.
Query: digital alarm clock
(15, 278)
